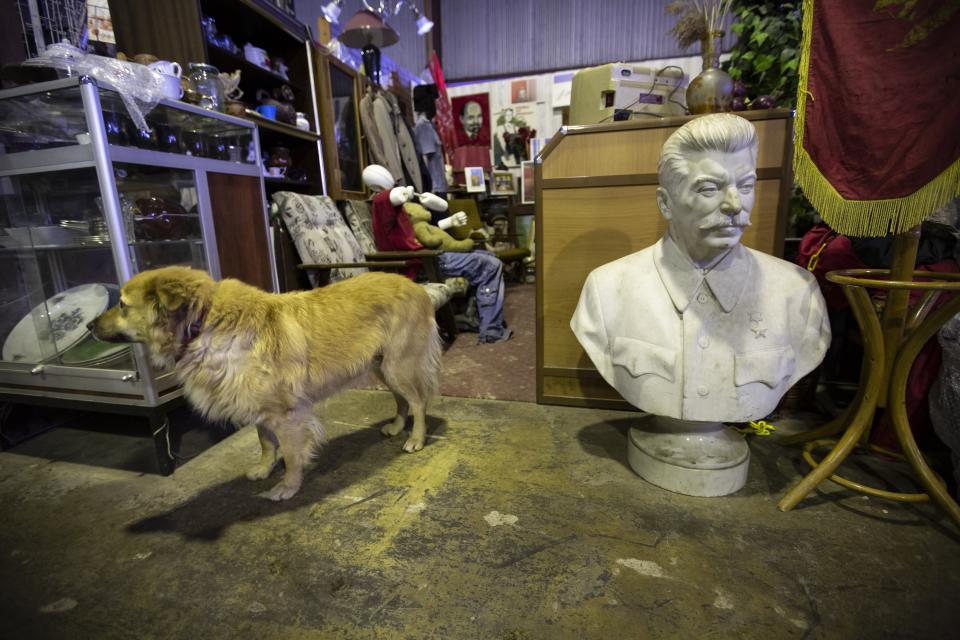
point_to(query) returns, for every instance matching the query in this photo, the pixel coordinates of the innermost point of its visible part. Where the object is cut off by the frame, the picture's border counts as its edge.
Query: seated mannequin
(321, 237)
(698, 329)
(393, 231)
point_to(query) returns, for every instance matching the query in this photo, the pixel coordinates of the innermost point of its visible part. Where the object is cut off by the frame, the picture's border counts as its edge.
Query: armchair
(330, 251)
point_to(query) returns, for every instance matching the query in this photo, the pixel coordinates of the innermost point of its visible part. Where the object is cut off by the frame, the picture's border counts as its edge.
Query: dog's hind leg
(298, 435)
(399, 422)
(268, 454)
(411, 372)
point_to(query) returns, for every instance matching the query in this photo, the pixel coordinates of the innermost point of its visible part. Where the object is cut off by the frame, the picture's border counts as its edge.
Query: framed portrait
(527, 183)
(511, 131)
(502, 183)
(523, 90)
(475, 179)
(471, 119)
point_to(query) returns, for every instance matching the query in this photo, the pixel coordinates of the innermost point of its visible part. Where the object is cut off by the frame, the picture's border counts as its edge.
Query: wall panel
(483, 38)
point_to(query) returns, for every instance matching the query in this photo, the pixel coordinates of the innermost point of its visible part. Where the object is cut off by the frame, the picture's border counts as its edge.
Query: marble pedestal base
(692, 458)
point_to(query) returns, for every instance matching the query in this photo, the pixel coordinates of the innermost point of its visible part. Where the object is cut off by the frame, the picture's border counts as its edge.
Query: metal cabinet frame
(143, 391)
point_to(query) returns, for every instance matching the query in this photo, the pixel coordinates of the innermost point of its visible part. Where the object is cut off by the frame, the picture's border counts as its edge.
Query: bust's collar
(683, 279)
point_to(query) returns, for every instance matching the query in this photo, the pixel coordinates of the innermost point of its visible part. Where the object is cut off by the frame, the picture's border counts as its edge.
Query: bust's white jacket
(721, 345)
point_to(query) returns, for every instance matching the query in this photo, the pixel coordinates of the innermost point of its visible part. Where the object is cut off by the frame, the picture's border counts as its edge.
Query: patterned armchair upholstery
(319, 233)
(330, 251)
(357, 213)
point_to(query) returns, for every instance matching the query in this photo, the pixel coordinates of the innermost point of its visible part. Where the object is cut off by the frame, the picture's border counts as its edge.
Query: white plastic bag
(139, 87)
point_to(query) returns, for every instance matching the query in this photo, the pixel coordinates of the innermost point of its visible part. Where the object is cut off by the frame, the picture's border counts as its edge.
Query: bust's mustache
(718, 221)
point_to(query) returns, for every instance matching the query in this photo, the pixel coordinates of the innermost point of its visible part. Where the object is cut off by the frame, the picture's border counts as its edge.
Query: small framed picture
(523, 90)
(475, 179)
(502, 183)
(527, 182)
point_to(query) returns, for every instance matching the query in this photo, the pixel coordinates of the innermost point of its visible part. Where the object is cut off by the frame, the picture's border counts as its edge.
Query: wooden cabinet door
(238, 218)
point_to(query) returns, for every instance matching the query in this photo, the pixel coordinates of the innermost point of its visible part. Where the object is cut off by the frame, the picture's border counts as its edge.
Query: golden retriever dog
(250, 357)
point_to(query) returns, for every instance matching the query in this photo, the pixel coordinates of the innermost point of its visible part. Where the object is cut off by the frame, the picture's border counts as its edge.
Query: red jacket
(392, 229)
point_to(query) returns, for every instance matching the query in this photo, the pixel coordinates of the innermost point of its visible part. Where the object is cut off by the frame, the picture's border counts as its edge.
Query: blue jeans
(483, 270)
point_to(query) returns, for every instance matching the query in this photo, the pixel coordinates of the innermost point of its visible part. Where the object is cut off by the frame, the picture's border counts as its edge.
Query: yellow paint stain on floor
(394, 515)
(383, 544)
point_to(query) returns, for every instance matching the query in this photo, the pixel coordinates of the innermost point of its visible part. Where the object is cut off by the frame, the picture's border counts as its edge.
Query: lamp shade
(366, 28)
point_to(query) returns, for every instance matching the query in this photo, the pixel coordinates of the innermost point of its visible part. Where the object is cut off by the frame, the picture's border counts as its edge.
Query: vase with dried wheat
(702, 21)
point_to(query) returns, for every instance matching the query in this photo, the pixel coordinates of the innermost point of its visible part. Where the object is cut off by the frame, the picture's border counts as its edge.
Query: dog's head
(156, 308)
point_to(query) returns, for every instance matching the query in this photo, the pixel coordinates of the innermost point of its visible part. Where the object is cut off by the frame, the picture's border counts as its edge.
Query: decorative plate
(56, 325)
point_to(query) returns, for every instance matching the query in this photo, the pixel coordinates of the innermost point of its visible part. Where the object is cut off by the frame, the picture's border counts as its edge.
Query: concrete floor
(517, 521)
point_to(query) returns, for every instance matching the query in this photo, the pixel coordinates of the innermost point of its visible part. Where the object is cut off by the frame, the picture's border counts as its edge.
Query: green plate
(92, 351)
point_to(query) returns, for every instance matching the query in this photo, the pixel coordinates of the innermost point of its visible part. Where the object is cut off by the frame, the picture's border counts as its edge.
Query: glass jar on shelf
(206, 90)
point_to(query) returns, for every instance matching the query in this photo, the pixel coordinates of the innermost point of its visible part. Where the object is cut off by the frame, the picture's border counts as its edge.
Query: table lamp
(368, 32)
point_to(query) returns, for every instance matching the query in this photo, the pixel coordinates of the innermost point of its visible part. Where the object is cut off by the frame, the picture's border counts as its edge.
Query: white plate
(56, 325)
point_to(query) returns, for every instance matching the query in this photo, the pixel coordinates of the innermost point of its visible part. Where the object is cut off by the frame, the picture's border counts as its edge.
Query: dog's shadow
(354, 456)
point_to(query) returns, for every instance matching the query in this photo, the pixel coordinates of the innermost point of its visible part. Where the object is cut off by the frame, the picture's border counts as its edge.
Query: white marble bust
(698, 327)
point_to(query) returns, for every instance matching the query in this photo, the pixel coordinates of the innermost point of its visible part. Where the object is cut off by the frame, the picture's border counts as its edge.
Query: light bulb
(331, 10)
(424, 25)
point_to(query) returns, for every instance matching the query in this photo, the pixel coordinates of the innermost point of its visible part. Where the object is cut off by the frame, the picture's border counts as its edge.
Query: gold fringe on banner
(860, 217)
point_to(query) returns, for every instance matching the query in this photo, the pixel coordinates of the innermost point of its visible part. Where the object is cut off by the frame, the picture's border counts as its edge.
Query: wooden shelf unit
(227, 60)
(172, 30)
(282, 128)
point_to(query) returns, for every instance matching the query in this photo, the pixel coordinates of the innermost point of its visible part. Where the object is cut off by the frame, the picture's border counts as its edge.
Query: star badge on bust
(757, 325)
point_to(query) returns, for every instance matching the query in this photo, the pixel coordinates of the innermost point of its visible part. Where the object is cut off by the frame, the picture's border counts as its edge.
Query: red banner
(877, 145)
(443, 121)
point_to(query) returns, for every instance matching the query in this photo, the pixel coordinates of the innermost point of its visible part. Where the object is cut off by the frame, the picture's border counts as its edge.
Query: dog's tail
(431, 360)
(411, 357)
(318, 434)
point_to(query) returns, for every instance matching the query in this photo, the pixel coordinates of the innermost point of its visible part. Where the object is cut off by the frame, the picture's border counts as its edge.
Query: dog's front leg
(268, 454)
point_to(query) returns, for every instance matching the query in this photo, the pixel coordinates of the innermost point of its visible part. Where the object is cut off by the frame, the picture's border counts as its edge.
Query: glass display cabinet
(88, 200)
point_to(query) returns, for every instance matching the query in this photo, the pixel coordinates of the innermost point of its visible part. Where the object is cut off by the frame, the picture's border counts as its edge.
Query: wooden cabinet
(174, 30)
(596, 202)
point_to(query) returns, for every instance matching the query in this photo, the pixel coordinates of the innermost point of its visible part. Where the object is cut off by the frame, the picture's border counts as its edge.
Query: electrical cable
(165, 427)
(653, 85)
(6, 409)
